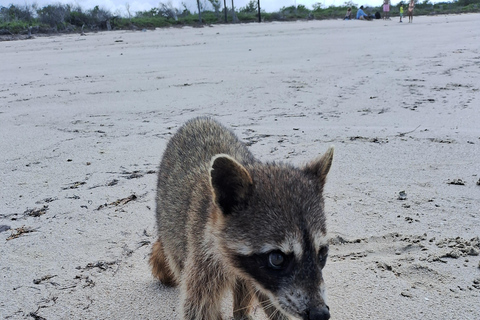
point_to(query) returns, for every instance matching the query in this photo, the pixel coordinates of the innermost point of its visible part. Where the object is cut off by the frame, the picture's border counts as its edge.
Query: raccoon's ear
(231, 183)
(320, 166)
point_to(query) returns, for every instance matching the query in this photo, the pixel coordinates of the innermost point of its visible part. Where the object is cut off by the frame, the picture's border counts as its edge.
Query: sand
(84, 121)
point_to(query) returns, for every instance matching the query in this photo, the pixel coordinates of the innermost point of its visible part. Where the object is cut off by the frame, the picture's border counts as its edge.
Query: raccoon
(227, 221)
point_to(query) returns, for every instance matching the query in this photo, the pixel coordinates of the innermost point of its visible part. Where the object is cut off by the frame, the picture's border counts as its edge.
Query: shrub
(14, 27)
(60, 17)
(13, 13)
(147, 22)
(53, 15)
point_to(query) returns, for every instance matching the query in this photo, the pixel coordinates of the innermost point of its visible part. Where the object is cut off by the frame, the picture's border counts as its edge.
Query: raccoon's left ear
(231, 183)
(320, 167)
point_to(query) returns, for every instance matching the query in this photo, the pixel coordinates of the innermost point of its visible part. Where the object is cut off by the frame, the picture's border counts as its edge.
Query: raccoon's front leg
(271, 311)
(243, 294)
(199, 302)
(203, 285)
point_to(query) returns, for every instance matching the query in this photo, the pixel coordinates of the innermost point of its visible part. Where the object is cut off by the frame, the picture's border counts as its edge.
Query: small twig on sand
(401, 134)
(44, 278)
(35, 316)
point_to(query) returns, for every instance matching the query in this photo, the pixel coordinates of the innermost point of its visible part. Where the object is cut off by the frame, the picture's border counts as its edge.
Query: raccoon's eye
(276, 260)
(322, 256)
(323, 252)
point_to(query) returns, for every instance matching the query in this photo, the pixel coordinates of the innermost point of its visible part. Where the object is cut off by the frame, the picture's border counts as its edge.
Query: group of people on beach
(361, 15)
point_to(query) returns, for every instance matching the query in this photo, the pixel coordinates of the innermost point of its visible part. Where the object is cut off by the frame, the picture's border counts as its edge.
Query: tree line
(23, 19)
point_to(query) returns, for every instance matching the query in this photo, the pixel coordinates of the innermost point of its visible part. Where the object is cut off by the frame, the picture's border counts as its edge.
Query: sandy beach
(84, 121)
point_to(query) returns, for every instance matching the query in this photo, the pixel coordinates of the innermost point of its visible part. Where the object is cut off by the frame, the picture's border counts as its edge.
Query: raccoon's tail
(159, 264)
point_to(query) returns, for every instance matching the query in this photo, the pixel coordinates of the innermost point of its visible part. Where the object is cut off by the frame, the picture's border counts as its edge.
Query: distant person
(411, 6)
(401, 13)
(378, 15)
(362, 15)
(348, 15)
(386, 9)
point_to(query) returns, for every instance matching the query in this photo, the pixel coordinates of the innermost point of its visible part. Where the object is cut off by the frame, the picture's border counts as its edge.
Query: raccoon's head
(272, 230)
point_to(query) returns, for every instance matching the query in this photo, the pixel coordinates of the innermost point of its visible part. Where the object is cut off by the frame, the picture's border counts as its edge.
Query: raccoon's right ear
(231, 183)
(320, 167)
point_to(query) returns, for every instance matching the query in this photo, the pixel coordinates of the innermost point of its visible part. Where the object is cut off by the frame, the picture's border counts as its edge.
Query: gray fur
(222, 215)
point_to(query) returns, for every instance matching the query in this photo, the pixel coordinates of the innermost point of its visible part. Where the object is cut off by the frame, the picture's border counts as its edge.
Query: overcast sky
(118, 6)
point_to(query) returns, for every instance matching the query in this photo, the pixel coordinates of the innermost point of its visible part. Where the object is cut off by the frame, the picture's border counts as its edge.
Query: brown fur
(160, 268)
(229, 222)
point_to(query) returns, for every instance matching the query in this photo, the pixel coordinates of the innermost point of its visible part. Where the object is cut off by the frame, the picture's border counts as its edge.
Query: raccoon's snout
(318, 314)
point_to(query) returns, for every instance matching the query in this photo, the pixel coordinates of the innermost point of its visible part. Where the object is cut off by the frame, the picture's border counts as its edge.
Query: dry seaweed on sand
(74, 185)
(119, 202)
(457, 182)
(36, 212)
(20, 231)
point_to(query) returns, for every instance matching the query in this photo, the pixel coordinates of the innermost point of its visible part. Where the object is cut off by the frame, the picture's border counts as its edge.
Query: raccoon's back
(183, 178)
(197, 141)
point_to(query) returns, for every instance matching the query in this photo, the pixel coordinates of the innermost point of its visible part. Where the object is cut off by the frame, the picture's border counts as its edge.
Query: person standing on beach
(411, 6)
(386, 9)
(401, 13)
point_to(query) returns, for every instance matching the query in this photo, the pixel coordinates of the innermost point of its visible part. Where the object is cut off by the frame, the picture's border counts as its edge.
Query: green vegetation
(70, 18)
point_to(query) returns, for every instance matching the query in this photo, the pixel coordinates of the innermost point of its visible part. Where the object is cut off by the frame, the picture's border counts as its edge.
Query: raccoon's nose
(318, 314)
